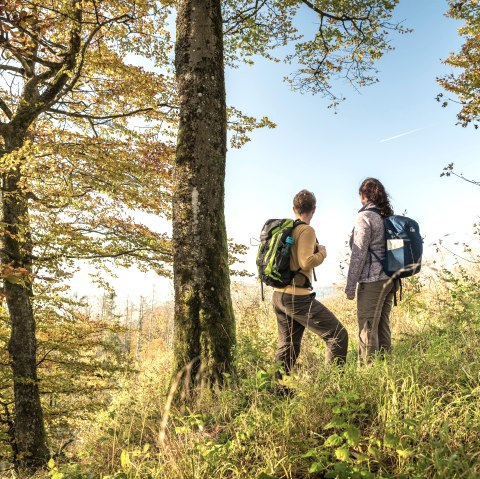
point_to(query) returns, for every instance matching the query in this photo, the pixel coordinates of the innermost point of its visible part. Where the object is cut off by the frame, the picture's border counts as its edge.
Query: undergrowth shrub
(412, 414)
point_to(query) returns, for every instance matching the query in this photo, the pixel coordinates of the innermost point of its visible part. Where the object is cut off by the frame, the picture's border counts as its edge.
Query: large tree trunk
(204, 320)
(16, 249)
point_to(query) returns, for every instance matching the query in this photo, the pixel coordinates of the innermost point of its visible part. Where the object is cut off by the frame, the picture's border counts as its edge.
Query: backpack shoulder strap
(298, 222)
(308, 283)
(375, 210)
(378, 211)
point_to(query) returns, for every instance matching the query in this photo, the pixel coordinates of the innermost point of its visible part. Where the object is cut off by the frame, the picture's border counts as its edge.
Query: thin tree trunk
(204, 320)
(16, 249)
(141, 317)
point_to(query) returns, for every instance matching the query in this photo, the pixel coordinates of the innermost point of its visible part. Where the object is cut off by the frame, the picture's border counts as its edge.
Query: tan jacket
(303, 257)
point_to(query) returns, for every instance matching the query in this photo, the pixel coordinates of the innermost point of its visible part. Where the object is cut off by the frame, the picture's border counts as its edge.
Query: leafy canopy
(96, 140)
(348, 38)
(466, 84)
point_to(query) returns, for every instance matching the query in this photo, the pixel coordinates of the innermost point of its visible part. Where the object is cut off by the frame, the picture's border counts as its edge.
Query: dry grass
(414, 414)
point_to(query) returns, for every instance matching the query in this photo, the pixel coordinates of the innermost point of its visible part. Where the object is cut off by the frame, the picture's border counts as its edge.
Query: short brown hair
(304, 202)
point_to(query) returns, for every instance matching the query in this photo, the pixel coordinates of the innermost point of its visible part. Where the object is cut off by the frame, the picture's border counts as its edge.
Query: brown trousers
(297, 312)
(374, 304)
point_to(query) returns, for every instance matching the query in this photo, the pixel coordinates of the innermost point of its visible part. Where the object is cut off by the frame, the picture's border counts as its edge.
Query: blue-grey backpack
(403, 246)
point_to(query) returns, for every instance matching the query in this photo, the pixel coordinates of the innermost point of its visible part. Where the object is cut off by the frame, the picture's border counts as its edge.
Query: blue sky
(394, 130)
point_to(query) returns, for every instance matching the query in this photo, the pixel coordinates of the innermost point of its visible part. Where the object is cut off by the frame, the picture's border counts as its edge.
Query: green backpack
(273, 256)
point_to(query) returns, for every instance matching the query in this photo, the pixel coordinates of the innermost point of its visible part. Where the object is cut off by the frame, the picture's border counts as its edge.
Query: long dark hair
(375, 192)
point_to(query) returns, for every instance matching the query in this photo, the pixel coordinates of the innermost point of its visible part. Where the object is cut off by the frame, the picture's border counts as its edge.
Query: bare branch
(11, 68)
(25, 65)
(96, 117)
(342, 18)
(44, 358)
(242, 17)
(5, 108)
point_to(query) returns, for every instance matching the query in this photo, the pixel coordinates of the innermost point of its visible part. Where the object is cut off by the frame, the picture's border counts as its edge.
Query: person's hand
(321, 249)
(350, 296)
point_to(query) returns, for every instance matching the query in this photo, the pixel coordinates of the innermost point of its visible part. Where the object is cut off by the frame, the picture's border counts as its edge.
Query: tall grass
(413, 414)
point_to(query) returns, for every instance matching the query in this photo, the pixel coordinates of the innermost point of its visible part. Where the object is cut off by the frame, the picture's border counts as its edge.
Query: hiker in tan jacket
(295, 305)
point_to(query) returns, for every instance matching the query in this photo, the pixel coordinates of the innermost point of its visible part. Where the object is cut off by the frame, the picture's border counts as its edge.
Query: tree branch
(6, 45)
(87, 43)
(343, 18)
(11, 68)
(49, 95)
(110, 255)
(240, 18)
(4, 107)
(44, 358)
(96, 117)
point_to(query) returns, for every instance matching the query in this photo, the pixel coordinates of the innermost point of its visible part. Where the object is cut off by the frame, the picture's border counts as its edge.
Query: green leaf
(336, 422)
(410, 422)
(390, 440)
(373, 451)
(352, 434)
(125, 460)
(340, 470)
(316, 467)
(404, 453)
(182, 429)
(309, 453)
(333, 440)
(51, 463)
(359, 457)
(352, 397)
(342, 453)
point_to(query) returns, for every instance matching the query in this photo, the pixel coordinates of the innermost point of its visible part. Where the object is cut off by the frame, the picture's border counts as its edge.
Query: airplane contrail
(401, 134)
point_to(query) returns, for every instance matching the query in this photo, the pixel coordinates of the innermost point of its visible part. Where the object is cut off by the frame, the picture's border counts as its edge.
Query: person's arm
(362, 236)
(306, 247)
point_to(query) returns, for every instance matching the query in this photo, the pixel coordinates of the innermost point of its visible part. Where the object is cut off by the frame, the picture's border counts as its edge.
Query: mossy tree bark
(204, 320)
(16, 247)
(65, 87)
(40, 91)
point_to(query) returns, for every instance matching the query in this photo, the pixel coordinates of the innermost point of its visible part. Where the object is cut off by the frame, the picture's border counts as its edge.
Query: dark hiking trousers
(297, 312)
(374, 304)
